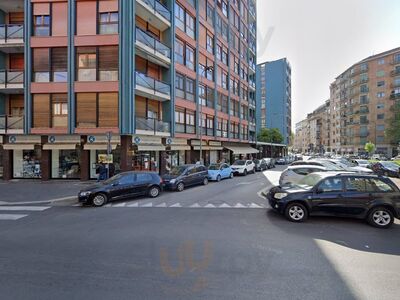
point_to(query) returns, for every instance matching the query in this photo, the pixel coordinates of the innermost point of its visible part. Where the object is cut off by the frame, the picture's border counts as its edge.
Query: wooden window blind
(108, 109)
(41, 111)
(86, 110)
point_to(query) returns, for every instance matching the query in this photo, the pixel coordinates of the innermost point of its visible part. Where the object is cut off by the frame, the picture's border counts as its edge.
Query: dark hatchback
(186, 175)
(260, 164)
(386, 168)
(371, 197)
(122, 186)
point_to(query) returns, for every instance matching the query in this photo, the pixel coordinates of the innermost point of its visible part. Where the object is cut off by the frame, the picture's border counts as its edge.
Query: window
(144, 177)
(190, 25)
(185, 120)
(380, 83)
(210, 14)
(179, 17)
(210, 43)
(189, 57)
(127, 179)
(354, 184)
(59, 66)
(331, 185)
(381, 61)
(380, 94)
(108, 23)
(380, 106)
(380, 73)
(108, 63)
(380, 127)
(179, 51)
(86, 64)
(381, 186)
(189, 89)
(96, 110)
(59, 110)
(41, 64)
(380, 116)
(42, 25)
(179, 85)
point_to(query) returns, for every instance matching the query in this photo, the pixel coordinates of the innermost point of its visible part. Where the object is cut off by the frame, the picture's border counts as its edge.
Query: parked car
(260, 164)
(386, 168)
(396, 157)
(322, 163)
(243, 167)
(186, 175)
(122, 186)
(371, 197)
(347, 166)
(281, 161)
(293, 174)
(219, 171)
(361, 163)
(270, 162)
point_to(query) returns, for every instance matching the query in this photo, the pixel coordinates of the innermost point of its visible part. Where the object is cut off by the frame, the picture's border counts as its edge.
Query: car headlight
(172, 181)
(84, 194)
(280, 196)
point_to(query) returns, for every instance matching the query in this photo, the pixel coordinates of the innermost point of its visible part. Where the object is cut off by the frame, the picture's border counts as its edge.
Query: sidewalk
(19, 191)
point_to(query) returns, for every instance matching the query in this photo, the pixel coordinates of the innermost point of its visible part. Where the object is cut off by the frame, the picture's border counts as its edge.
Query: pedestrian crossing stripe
(178, 205)
(16, 216)
(11, 217)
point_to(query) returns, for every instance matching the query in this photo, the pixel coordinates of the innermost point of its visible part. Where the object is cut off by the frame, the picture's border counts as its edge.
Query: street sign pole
(109, 136)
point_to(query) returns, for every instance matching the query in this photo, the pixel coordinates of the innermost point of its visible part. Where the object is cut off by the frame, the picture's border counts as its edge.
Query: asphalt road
(126, 252)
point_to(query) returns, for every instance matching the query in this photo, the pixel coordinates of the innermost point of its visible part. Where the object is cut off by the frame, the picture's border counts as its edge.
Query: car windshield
(113, 179)
(389, 165)
(362, 162)
(311, 180)
(256, 161)
(346, 163)
(214, 167)
(176, 171)
(330, 166)
(240, 162)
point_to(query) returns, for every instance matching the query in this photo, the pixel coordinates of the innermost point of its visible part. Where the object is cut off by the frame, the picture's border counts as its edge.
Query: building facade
(360, 104)
(151, 82)
(274, 97)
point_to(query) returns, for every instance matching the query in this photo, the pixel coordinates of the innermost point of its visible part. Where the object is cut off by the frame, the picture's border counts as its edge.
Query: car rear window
(381, 186)
(331, 185)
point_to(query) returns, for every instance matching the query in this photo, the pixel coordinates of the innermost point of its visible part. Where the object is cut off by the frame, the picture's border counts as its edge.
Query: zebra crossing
(14, 213)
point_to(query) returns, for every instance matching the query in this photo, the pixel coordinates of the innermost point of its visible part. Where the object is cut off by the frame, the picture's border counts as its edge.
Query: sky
(321, 39)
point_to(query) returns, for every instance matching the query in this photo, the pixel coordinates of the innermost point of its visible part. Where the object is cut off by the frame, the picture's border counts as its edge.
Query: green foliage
(369, 147)
(272, 135)
(393, 129)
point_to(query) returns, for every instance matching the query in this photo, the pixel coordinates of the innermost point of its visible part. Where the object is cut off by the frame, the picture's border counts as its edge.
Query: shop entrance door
(145, 161)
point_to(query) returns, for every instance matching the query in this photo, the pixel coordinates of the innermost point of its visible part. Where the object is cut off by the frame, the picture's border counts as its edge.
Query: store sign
(52, 139)
(168, 141)
(137, 140)
(12, 139)
(91, 139)
(105, 159)
(214, 143)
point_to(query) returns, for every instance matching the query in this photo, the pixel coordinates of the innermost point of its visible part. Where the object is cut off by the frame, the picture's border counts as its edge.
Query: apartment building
(151, 82)
(367, 91)
(274, 97)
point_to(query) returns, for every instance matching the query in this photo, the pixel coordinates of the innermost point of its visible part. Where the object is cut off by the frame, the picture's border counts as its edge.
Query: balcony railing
(159, 8)
(395, 72)
(153, 125)
(153, 84)
(395, 96)
(11, 32)
(9, 123)
(11, 77)
(151, 42)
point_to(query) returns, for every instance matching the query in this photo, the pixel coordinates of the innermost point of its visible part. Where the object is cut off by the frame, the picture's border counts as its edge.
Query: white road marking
(120, 205)
(147, 205)
(239, 205)
(253, 205)
(209, 205)
(176, 205)
(12, 217)
(225, 206)
(196, 205)
(136, 204)
(28, 208)
(162, 205)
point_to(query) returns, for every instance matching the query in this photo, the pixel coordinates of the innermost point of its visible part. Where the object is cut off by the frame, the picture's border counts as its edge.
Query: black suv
(122, 186)
(182, 176)
(371, 197)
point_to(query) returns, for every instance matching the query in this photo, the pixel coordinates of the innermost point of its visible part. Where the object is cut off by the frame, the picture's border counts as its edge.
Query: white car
(361, 163)
(348, 166)
(243, 167)
(293, 174)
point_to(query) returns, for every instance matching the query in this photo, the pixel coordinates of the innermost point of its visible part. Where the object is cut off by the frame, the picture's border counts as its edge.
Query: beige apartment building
(360, 104)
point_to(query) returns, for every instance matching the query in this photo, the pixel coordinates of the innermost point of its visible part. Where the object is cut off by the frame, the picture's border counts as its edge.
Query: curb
(4, 203)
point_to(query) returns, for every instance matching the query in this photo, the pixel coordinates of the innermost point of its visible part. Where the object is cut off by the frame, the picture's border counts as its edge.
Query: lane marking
(28, 208)
(136, 204)
(240, 205)
(120, 204)
(176, 205)
(147, 205)
(209, 205)
(225, 206)
(11, 217)
(162, 205)
(253, 205)
(196, 205)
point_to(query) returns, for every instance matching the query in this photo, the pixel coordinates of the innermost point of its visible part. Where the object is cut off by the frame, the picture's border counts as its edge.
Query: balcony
(395, 85)
(252, 66)
(151, 88)
(252, 47)
(395, 72)
(11, 124)
(252, 84)
(148, 126)
(11, 81)
(151, 49)
(394, 96)
(12, 38)
(154, 12)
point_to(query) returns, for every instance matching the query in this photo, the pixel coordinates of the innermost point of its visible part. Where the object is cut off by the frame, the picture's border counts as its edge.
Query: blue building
(274, 100)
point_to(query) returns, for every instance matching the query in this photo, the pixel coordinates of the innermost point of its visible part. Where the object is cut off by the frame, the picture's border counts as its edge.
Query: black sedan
(122, 186)
(186, 175)
(370, 197)
(386, 168)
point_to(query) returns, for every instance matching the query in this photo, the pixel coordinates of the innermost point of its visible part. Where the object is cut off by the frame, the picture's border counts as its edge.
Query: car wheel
(245, 172)
(380, 217)
(180, 187)
(231, 175)
(205, 180)
(99, 199)
(154, 191)
(219, 178)
(296, 212)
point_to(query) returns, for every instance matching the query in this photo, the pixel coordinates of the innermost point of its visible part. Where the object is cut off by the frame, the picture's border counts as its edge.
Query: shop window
(26, 163)
(65, 164)
(41, 25)
(108, 23)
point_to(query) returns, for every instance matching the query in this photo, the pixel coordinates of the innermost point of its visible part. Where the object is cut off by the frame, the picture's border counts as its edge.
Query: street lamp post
(209, 68)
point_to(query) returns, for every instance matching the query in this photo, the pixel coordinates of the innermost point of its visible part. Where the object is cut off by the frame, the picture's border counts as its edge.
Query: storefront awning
(98, 146)
(18, 146)
(150, 147)
(180, 147)
(242, 149)
(59, 146)
(207, 148)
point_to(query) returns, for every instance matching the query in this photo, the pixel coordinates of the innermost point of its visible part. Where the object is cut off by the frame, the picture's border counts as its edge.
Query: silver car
(293, 174)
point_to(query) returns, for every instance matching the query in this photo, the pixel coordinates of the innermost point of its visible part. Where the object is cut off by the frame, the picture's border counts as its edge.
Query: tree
(267, 135)
(369, 147)
(393, 130)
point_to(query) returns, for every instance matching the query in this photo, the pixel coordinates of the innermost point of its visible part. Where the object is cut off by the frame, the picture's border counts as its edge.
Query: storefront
(210, 151)
(240, 151)
(146, 154)
(97, 147)
(1, 157)
(176, 152)
(26, 156)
